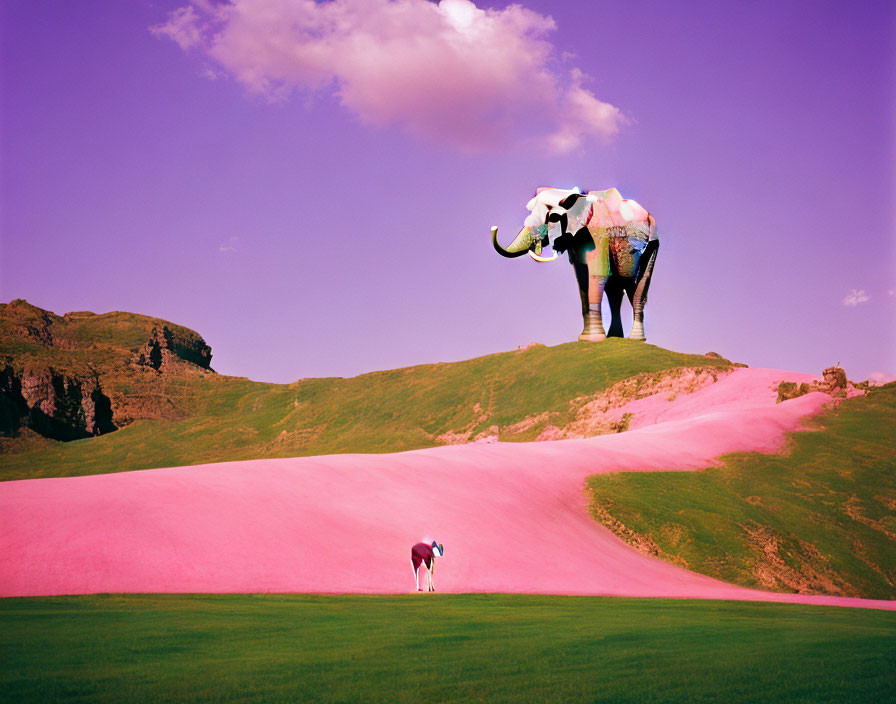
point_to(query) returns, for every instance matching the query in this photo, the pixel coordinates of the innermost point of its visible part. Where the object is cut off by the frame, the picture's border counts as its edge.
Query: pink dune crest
(513, 517)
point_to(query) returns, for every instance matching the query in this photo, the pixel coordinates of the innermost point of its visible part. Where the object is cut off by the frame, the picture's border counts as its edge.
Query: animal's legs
(416, 570)
(596, 273)
(613, 290)
(594, 324)
(594, 327)
(639, 296)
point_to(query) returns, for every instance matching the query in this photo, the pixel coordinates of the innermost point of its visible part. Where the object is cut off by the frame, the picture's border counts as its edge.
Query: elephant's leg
(597, 272)
(590, 290)
(594, 324)
(639, 296)
(614, 290)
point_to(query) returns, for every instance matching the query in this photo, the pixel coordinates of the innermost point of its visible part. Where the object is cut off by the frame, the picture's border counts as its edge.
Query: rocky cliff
(82, 374)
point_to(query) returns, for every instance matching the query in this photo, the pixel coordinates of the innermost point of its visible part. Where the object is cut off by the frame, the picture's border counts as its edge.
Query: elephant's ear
(569, 201)
(578, 213)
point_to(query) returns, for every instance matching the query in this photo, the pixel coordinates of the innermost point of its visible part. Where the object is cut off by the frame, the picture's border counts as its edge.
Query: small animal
(423, 554)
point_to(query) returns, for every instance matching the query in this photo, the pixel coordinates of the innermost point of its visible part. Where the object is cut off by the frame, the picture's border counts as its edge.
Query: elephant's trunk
(518, 247)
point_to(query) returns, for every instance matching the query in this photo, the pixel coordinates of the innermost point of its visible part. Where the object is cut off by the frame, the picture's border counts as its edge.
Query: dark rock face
(13, 407)
(164, 347)
(53, 404)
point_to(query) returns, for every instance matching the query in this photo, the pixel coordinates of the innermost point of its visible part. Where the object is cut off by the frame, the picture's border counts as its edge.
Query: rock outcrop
(53, 404)
(833, 383)
(81, 374)
(164, 349)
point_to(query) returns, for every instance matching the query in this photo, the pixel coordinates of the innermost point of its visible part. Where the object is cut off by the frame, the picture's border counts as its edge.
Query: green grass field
(440, 648)
(820, 518)
(388, 411)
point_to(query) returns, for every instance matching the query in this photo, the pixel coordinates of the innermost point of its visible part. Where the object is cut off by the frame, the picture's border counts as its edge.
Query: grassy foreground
(388, 411)
(444, 648)
(820, 518)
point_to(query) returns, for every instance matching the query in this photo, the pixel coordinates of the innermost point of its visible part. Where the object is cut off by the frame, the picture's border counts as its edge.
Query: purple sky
(311, 188)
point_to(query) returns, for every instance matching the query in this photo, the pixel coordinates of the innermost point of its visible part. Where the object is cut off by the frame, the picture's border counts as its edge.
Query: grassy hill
(231, 418)
(81, 374)
(83, 336)
(819, 519)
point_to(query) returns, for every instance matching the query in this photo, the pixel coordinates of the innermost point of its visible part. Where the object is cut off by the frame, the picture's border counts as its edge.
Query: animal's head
(437, 549)
(557, 212)
(547, 220)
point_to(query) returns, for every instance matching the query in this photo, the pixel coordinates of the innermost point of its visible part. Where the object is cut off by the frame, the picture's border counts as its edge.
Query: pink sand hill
(512, 517)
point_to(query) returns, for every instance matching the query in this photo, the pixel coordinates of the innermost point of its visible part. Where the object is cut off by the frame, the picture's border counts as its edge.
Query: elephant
(611, 243)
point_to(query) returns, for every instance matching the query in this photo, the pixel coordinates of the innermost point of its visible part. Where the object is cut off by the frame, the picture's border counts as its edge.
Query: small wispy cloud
(229, 245)
(856, 296)
(183, 26)
(447, 71)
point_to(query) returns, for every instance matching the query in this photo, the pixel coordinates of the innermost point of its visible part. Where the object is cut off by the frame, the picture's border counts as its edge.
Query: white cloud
(448, 71)
(584, 116)
(229, 245)
(856, 296)
(183, 26)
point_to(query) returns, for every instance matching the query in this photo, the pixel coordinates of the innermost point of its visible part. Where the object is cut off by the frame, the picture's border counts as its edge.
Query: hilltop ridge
(81, 374)
(169, 407)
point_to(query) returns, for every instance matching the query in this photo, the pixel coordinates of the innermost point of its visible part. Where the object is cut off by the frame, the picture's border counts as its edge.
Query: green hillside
(819, 519)
(230, 418)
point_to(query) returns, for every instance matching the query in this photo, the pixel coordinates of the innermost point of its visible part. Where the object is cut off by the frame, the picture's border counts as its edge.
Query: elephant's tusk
(542, 259)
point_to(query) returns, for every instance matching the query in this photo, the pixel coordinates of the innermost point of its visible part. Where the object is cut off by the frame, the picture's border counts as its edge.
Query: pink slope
(512, 517)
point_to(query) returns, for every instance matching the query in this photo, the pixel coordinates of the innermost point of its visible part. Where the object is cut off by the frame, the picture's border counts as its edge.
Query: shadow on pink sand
(513, 517)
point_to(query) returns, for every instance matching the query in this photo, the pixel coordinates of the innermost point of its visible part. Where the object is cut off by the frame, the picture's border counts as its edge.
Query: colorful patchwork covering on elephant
(599, 258)
(636, 233)
(622, 245)
(623, 252)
